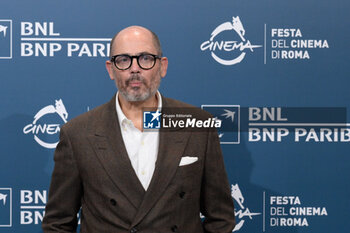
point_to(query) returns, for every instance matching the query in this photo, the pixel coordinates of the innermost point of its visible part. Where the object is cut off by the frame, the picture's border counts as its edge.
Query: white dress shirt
(142, 147)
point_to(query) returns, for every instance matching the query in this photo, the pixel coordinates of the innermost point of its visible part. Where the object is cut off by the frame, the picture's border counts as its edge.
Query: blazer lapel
(109, 147)
(171, 147)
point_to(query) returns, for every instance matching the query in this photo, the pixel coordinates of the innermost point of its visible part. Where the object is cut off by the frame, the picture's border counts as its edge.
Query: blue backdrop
(223, 55)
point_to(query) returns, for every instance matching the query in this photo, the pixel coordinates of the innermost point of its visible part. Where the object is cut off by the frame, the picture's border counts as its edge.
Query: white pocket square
(187, 160)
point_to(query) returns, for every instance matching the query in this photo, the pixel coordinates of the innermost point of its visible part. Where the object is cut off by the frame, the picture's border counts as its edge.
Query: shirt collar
(121, 116)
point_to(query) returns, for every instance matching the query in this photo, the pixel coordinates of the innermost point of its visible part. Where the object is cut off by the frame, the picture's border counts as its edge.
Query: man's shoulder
(83, 120)
(185, 107)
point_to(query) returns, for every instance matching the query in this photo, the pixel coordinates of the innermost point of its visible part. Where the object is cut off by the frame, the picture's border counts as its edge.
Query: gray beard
(137, 97)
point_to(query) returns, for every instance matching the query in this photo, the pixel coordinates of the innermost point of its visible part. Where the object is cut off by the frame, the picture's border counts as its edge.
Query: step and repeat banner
(274, 72)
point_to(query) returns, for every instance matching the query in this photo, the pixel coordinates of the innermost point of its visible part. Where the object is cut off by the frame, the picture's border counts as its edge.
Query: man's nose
(135, 68)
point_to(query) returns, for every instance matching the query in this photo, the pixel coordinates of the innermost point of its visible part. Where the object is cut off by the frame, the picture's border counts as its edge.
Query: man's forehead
(134, 38)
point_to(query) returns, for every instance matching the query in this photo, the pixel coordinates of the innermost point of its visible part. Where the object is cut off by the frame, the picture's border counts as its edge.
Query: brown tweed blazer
(93, 172)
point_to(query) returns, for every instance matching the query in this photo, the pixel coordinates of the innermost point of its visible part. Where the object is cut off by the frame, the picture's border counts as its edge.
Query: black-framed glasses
(124, 61)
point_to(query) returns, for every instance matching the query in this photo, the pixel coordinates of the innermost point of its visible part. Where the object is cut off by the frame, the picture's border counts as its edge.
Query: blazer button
(174, 228)
(113, 202)
(182, 194)
(133, 230)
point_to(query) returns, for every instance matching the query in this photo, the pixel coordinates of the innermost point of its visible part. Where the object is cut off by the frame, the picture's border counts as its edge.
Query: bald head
(134, 32)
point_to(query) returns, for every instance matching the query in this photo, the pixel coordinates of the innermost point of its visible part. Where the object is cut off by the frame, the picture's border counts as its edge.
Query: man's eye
(122, 59)
(146, 57)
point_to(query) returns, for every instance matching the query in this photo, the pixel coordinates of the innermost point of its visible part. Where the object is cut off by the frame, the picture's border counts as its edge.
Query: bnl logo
(5, 207)
(151, 119)
(229, 132)
(5, 39)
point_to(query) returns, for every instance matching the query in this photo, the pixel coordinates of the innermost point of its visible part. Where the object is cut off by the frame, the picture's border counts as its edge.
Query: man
(127, 180)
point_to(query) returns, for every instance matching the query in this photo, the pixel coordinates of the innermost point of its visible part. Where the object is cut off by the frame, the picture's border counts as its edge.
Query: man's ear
(109, 69)
(164, 66)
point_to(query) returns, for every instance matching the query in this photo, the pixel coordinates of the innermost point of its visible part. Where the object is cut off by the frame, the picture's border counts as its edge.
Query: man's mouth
(135, 83)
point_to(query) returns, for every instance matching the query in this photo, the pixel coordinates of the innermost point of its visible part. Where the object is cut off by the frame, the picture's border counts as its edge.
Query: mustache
(135, 77)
